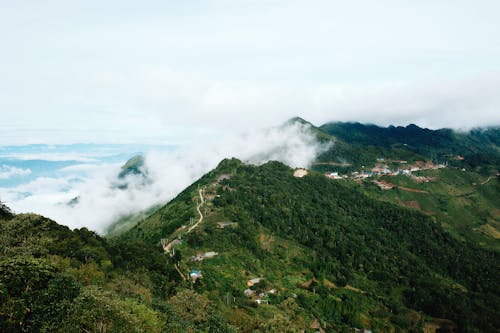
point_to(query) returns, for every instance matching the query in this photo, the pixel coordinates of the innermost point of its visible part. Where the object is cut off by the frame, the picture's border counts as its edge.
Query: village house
(252, 282)
(249, 292)
(222, 225)
(202, 256)
(333, 175)
(195, 274)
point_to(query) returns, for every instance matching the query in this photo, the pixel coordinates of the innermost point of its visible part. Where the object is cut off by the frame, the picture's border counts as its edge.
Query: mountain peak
(132, 166)
(298, 120)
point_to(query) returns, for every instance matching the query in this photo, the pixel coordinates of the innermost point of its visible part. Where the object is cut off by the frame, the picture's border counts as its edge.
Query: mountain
(321, 250)
(449, 175)
(477, 149)
(134, 166)
(390, 230)
(133, 171)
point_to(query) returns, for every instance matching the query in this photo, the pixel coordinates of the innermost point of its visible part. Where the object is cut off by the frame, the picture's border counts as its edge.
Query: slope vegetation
(324, 251)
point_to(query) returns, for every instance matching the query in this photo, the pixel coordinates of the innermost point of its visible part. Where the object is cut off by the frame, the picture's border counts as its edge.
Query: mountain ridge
(263, 248)
(276, 175)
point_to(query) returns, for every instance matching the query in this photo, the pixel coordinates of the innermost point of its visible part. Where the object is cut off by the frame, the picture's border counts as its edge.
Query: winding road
(198, 209)
(168, 247)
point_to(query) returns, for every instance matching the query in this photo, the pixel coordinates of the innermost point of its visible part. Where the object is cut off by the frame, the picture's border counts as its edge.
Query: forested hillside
(370, 264)
(390, 230)
(56, 280)
(480, 148)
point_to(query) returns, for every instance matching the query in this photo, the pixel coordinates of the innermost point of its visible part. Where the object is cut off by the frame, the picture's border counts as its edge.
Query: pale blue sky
(168, 71)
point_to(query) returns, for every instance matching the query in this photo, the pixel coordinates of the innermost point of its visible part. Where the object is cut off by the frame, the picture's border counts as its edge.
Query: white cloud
(167, 70)
(53, 157)
(8, 171)
(101, 202)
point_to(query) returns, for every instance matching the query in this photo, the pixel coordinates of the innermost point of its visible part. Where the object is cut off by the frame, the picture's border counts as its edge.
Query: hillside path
(488, 180)
(168, 247)
(198, 209)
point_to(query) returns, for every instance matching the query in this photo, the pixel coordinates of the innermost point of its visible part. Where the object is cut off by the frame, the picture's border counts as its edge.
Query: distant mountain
(477, 149)
(134, 166)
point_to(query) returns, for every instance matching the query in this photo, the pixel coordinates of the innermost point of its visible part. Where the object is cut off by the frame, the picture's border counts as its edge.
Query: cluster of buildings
(381, 169)
(259, 298)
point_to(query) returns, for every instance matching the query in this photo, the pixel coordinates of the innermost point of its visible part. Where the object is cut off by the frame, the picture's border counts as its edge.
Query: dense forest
(404, 265)
(53, 279)
(358, 238)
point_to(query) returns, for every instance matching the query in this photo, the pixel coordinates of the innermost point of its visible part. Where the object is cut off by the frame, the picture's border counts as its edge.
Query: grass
(456, 199)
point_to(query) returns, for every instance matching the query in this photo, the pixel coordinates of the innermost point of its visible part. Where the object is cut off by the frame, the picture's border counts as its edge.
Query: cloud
(459, 104)
(167, 71)
(101, 202)
(52, 157)
(7, 172)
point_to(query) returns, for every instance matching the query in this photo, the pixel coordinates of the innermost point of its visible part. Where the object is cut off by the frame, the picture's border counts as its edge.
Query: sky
(168, 72)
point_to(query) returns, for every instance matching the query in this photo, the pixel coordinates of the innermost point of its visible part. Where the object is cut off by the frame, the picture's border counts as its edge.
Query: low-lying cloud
(7, 172)
(100, 201)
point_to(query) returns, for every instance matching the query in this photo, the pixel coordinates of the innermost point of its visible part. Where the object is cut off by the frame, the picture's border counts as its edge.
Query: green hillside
(53, 279)
(457, 163)
(466, 204)
(391, 230)
(330, 252)
(479, 148)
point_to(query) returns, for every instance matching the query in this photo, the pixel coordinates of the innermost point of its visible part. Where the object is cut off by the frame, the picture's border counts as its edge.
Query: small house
(222, 225)
(210, 254)
(249, 292)
(334, 175)
(195, 274)
(252, 282)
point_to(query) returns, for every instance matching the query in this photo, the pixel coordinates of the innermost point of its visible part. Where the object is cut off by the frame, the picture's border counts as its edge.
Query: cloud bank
(171, 70)
(7, 172)
(101, 202)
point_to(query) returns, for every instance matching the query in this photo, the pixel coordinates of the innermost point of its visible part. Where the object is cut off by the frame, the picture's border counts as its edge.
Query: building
(249, 292)
(206, 255)
(195, 274)
(334, 175)
(252, 282)
(222, 225)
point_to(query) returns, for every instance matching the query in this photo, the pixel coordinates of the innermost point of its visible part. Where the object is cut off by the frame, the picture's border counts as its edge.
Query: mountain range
(390, 230)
